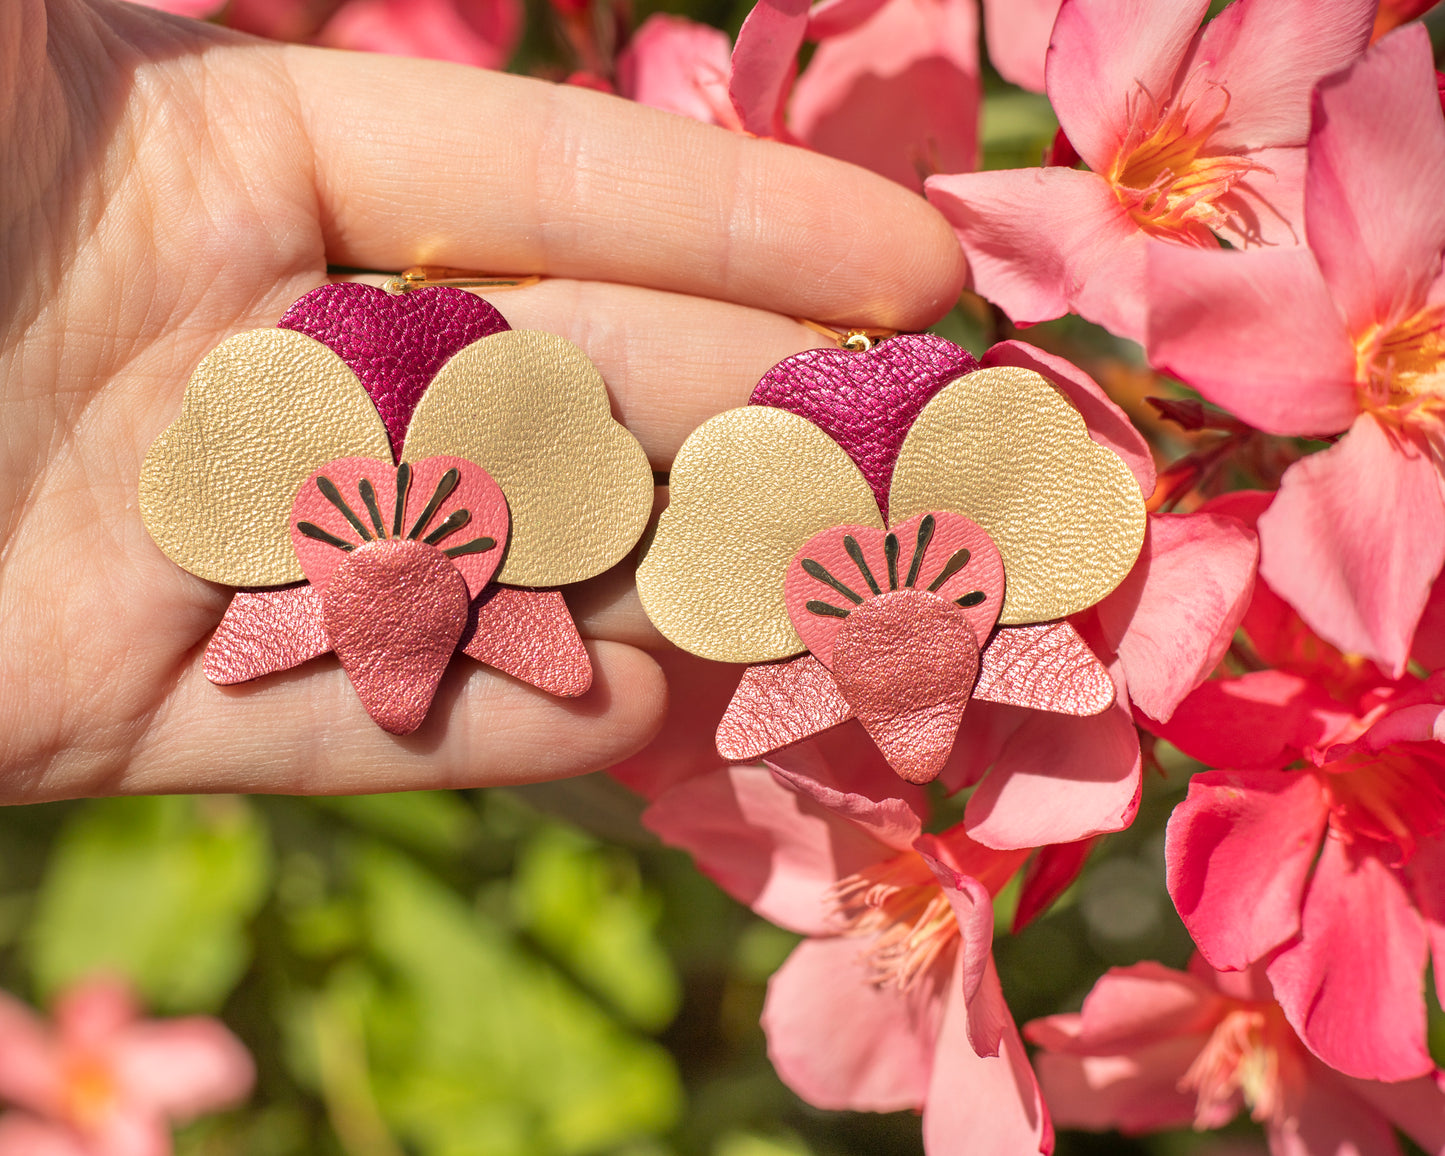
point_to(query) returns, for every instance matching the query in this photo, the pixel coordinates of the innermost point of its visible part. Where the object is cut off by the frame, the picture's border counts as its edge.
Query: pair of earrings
(881, 533)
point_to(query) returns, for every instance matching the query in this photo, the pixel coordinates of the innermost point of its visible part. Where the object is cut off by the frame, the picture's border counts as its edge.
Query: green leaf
(585, 904)
(157, 889)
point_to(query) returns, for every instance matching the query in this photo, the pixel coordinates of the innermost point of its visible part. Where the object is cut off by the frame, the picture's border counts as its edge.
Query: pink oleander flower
(1318, 851)
(892, 1001)
(893, 85)
(103, 1082)
(1345, 336)
(1017, 33)
(1155, 1048)
(1189, 135)
(479, 32)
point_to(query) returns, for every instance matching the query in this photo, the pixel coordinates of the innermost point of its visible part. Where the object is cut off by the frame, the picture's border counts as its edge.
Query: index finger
(422, 162)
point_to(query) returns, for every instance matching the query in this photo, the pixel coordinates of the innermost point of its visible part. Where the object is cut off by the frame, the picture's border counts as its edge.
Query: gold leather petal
(748, 489)
(263, 410)
(1003, 447)
(532, 410)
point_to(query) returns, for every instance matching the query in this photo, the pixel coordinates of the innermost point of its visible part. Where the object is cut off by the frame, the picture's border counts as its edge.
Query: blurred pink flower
(479, 32)
(1188, 133)
(1017, 33)
(1331, 875)
(1155, 1048)
(892, 86)
(103, 1082)
(197, 9)
(892, 1001)
(1343, 336)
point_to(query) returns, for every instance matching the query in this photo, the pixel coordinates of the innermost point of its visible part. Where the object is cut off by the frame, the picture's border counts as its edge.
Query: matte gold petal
(532, 410)
(1002, 446)
(749, 488)
(261, 412)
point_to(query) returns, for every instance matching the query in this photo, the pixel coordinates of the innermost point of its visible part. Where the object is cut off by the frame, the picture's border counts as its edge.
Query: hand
(165, 184)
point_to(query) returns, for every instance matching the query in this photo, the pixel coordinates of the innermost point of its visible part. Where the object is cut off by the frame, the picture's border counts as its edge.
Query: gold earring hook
(858, 340)
(423, 276)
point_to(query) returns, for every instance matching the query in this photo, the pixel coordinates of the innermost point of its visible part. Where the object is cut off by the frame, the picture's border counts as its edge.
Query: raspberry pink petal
(835, 17)
(1425, 876)
(678, 65)
(264, 631)
(1107, 55)
(1416, 1107)
(1328, 1118)
(1173, 617)
(24, 1136)
(184, 1068)
(973, 908)
(394, 612)
(1239, 849)
(1350, 985)
(1058, 779)
(1048, 875)
(443, 500)
(1256, 333)
(1017, 33)
(394, 345)
(1373, 209)
(1132, 1007)
(1268, 55)
(899, 94)
(764, 62)
(866, 402)
(1356, 581)
(891, 821)
(779, 703)
(984, 1104)
(1044, 242)
(841, 1041)
(530, 635)
(1135, 1093)
(481, 33)
(1109, 426)
(764, 843)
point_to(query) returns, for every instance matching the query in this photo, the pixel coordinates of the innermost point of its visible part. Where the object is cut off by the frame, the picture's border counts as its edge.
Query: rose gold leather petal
(265, 631)
(532, 410)
(748, 488)
(777, 704)
(262, 411)
(906, 662)
(1046, 667)
(394, 612)
(530, 635)
(1003, 447)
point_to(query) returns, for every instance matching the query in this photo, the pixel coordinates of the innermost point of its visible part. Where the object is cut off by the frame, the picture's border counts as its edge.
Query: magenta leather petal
(433, 501)
(866, 402)
(530, 635)
(948, 540)
(394, 344)
(264, 631)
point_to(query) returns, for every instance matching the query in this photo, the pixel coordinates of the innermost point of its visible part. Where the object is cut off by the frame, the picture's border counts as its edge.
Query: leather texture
(748, 488)
(1002, 447)
(530, 635)
(947, 540)
(532, 410)
(261, 412)
(475, 494)
(1044, 667)
(264, 631)
(866, 401)
(777, 704)
(393, 344)
(394, 612)
(906, 662)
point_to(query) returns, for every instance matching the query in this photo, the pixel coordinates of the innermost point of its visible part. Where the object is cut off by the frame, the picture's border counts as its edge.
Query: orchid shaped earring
(885, 532)
(394, 476)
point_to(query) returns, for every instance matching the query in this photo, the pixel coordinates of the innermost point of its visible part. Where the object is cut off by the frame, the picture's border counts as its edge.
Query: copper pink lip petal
(866, 402)
(906, 663)
(777, 704)
(394, 612)
(449, 502)
(265, 631)
(1046, 666)
(394, 344)
(926, 548)
(530, 635)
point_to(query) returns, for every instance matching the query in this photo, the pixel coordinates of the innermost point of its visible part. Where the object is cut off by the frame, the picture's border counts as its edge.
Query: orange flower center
(1400, 371)
(900, 906)
(1165, 175)
(1390, 802)
(1252, 1053)
(90, 1092)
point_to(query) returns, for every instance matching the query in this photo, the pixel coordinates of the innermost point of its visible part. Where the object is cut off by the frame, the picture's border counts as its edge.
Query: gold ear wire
(423, 276)
(855, 339)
